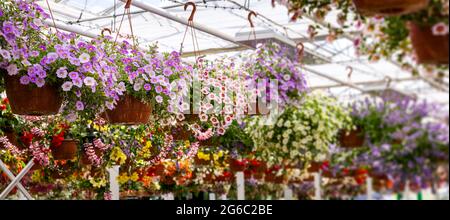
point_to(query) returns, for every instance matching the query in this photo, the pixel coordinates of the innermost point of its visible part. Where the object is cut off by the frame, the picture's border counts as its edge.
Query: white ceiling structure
(221, 22)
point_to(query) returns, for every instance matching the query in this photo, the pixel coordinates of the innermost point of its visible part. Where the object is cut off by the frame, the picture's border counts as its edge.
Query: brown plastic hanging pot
(129, 111)
(389, 7)
(31, 100)
(429, 48)
(352, 139)
(66, 151)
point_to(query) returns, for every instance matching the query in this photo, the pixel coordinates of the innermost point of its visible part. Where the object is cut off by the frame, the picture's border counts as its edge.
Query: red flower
(26, 138)
(325, 165)
(2, 107)
(58, 139)
(345, 171)
(6, 101)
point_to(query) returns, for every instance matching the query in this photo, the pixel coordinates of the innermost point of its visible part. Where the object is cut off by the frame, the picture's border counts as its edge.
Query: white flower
(84, 58)
(440, 29)
(287, 124)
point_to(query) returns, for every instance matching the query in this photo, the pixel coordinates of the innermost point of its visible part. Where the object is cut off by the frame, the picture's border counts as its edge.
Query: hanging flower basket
(66, 151)
(129, 111)
(389, 7)
(272, 178)
(352, 139)
(258, 175)
(429, 48)
(237, 166)
(29, 100)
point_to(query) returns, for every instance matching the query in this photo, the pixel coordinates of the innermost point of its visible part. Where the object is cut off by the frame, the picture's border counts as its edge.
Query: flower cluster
(220, 96)
(403, 139)
(276, 78)
(299, 136)
(149, 75)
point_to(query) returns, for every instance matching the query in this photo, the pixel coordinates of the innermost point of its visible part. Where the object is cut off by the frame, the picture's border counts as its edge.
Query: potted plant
(64, 141)
(299, 135)
(148, 79)
(218, 98)
(10, 125)
(24, 30)
(269, 66)
(389, 7)
(404, 36)
(404, 142)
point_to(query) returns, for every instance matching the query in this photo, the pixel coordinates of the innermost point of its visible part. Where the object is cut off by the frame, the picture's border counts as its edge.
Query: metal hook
(194, 9)
(349, 72)
(128, 4)
(252, 13)
(301, 49)
(106, 29)
(388, 81)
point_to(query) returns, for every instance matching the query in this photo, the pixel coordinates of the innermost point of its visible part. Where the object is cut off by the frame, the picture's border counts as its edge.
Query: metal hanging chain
(190, 27)
(51, 14)
(252, 25)
(127, 11)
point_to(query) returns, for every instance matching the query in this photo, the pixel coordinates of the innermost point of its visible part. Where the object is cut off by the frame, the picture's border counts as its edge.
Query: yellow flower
(203, 156)
(118, 156)
(134, 177)
(123, 178)
(97, 183)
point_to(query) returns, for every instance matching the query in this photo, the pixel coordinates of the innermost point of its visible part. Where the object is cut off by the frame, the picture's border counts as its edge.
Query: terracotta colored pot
(129, 111)
(199, 161)
(258, 176)
(67, 151)
(237, 166)
(354, 139)
(180, 133)
(274, 179)
(389, 7)
(429, 49)
(31, 100)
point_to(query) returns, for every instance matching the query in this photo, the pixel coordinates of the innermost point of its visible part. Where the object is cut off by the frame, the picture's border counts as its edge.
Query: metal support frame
(318, 185)
(16, 180)
(240, 182)
(184, 21)
(200, 27)
(369, 183)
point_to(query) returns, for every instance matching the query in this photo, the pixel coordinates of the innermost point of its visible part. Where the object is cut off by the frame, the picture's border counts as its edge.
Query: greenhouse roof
(223, 29)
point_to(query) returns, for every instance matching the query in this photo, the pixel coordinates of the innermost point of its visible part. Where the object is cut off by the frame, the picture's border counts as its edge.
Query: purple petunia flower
(67, 86)
(78, 82)
(159, 89)
(40, 82)
(79, 105)
(12, 69)
(61, 73)
(167, 72)
(24, 80)
(8, 28)
(147, 87)
(74, 75)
